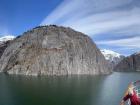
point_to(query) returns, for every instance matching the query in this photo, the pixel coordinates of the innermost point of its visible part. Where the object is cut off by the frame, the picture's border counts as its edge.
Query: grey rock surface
(53, 50)
(130, 63)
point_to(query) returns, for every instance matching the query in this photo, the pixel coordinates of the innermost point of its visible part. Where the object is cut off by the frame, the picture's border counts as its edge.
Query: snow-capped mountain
(112, 57)
(6, 38)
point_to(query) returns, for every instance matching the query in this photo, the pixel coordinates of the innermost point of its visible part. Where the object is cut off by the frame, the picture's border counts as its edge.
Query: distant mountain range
(112, 57)
(130, 63)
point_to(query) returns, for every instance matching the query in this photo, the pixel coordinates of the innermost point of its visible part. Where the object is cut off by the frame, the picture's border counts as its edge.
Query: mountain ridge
(129, 64)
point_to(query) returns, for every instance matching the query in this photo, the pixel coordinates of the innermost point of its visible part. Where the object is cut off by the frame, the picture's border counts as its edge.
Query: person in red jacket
(131, 94)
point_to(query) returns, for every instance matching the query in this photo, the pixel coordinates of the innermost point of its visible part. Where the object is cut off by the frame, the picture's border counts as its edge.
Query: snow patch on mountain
(6, 38)
(110, 55)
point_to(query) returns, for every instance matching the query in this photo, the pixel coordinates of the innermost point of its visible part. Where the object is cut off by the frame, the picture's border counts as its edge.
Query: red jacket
(133, 98)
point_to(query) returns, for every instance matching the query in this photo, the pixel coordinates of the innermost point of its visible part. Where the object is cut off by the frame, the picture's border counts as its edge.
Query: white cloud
(93, 16)
(105, 22)
(127, 42)
(133, 30)
(96, 17)
(79, 8)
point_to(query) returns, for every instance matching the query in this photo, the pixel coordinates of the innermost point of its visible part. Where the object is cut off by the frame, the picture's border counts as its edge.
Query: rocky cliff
(130, 63)
(53, 50)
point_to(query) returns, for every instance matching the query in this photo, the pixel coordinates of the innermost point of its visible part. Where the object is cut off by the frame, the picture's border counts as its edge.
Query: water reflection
(64, 90)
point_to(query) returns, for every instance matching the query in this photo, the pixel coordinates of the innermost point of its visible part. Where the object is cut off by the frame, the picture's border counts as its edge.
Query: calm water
(73, 90)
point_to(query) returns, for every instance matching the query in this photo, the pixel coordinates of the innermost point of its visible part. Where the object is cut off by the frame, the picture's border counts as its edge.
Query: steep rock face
(53, 50)
(112, 57)
(130, 63)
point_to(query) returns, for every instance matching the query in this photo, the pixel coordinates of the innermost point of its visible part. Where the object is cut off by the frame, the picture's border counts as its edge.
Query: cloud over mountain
(97, 17)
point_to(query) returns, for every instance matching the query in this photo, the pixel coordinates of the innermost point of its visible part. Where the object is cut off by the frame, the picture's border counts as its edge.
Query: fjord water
(64, 90)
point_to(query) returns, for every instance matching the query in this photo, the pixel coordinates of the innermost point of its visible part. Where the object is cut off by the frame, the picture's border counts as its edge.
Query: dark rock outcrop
(53, 50)
(130, 63)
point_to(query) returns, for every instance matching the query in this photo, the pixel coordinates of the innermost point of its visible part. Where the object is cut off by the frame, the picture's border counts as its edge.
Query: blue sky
(112, 24)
